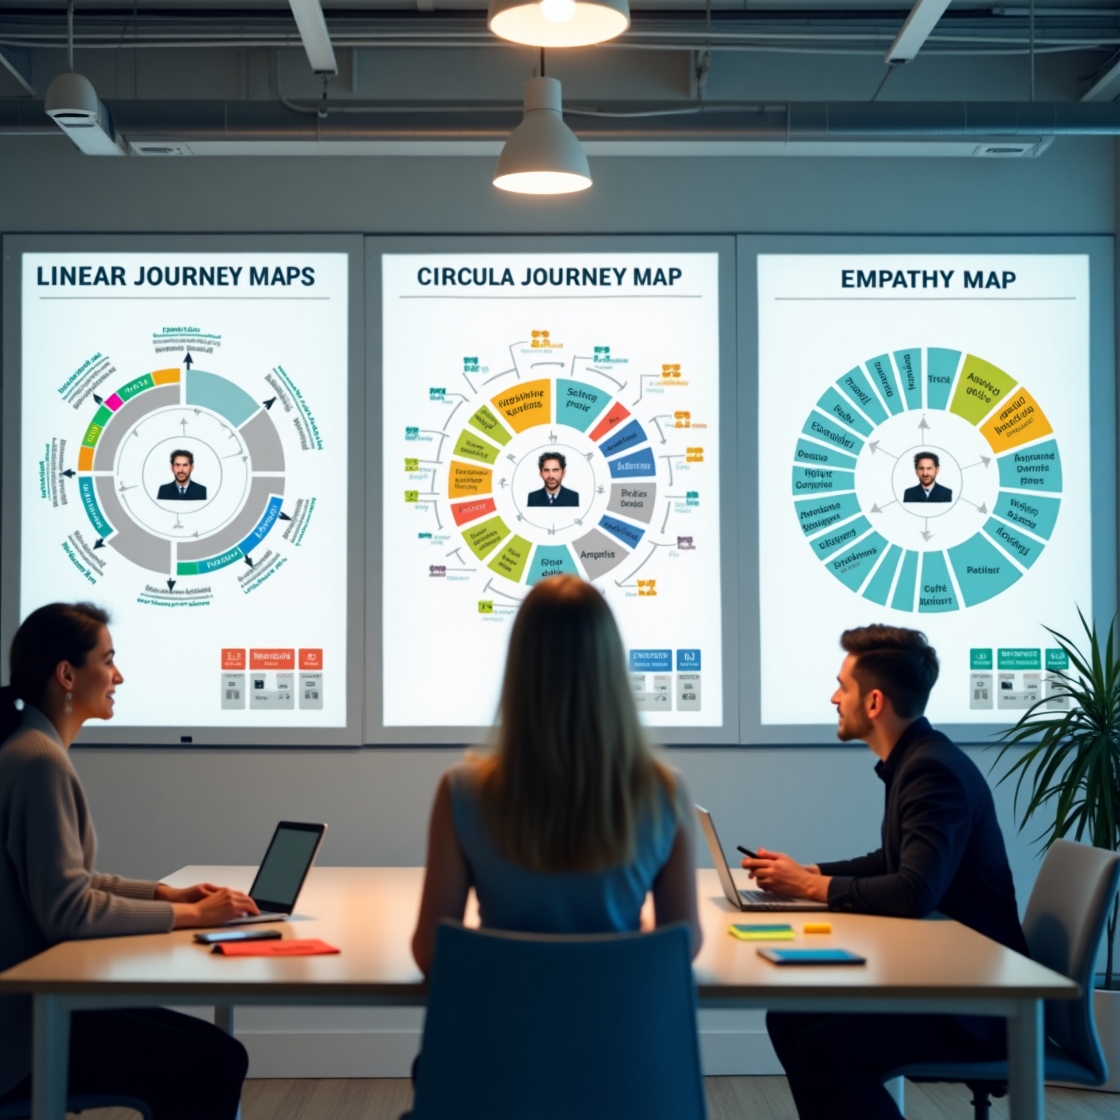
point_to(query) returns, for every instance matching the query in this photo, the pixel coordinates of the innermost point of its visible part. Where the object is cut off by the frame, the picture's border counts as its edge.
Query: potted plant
(1072, 767)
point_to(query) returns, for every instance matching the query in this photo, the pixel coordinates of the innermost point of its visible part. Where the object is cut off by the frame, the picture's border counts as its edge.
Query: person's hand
(779, 873)
(185, 894)
(215, 909)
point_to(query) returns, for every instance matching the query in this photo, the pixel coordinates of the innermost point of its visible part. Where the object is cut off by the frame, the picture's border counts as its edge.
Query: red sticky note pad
(308, 947)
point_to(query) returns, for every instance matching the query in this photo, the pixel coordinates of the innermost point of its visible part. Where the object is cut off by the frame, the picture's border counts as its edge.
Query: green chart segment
(829, 513)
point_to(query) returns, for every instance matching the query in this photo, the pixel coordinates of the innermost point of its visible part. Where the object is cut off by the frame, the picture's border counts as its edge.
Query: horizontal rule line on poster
(590, 295)
(920, 299)
(220, 299)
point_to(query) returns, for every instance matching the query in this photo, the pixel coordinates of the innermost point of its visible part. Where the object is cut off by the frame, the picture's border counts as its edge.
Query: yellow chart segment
(1017, 419)
(526, 404)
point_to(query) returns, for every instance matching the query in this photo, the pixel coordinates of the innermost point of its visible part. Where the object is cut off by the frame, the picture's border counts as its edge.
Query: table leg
(223, 1017)
(50, 1057)
(1025, 1062)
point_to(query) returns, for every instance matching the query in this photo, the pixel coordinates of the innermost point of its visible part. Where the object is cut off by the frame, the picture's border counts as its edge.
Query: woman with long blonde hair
(571, 820)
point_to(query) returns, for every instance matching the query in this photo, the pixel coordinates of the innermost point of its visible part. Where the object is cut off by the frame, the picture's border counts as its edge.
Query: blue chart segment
(955, 536)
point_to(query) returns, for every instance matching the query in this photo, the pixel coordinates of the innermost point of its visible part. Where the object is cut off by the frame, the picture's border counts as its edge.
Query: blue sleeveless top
(512, 897)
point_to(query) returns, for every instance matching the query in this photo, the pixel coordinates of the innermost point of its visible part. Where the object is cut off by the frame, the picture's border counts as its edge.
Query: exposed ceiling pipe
(188, 121)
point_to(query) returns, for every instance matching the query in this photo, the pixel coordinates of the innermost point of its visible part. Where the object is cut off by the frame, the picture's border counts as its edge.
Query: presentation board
(185, 464)
(547, 412)
(924, 449)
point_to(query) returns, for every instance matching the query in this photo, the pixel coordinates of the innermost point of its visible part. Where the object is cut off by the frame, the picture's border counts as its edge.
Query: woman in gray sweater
(63, 670)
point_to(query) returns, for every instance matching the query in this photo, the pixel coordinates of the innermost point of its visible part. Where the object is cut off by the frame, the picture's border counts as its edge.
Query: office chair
(541, 1027)
(1065, 918)
(20, 1110)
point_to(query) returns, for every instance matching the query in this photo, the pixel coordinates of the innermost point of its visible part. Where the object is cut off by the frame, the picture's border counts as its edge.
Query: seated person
(942, 850)
(63, 669)
(568, 824)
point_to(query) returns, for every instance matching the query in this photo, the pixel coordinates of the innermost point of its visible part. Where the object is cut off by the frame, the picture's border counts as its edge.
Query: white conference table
(369, 913)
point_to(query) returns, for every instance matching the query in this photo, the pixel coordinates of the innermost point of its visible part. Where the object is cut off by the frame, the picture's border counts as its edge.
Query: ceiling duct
(265, 127)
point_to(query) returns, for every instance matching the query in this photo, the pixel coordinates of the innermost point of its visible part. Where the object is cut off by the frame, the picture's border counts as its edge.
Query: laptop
(746, 900)
(280, 876)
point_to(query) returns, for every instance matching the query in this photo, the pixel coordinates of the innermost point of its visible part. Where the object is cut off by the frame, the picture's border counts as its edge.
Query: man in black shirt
(942, 850)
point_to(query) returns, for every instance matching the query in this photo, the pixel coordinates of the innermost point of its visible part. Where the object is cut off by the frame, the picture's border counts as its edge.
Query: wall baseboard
(282, 1054)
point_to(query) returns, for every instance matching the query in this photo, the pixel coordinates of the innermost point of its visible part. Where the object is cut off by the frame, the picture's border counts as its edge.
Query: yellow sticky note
(761, 932)
(817, 927)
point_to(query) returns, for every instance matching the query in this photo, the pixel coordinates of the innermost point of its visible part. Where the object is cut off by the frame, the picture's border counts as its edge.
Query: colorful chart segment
(118, 413)
(620, 440)
(1017, 439)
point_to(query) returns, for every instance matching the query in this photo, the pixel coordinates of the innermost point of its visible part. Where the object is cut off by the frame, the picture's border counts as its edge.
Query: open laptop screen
(285, 865)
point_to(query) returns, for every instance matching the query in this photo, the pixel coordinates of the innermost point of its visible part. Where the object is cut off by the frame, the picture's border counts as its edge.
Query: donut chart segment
(1019, 421)
(551, 560)
(855, 386)
(635, 502)
(816, 514)
(474, 447)
(903, 598)
(484, 537)
(819, 426)
(1038, 469)
(980, 388)
(464, 512)
(908, 363)
(93, 510)
(617, 413)
(810, 480)
(836, 407)
(630, 535)
(511, 561)
(878, 588)
(882, 377)
(626, 438)
(1036, 514)
(982, 571)
(487, 423)
(818, 455)
(640, 464)
(936, 593)
(464, 481)
(578, 404)
(220, 395)
(598, 553)
(525, 405)
(941, 372)
(852, 566)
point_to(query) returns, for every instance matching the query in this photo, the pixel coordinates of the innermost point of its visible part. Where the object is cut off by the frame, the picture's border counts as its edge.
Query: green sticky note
(761, 932)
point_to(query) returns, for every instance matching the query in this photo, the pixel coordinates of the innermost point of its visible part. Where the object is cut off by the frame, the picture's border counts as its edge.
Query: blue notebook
(811, 956)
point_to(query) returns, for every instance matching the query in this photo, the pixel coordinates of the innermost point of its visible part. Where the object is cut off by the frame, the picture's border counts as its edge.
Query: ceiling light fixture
(316, 38)
(558, 23)
(543, 155)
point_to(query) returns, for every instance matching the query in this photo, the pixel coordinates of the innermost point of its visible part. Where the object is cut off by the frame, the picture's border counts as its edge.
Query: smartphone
(747, 852)
(237, 935)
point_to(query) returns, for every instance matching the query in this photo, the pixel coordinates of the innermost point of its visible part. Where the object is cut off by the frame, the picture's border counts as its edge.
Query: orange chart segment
(1019, 421)
(464, 481)
(471, 511)
(526, 404)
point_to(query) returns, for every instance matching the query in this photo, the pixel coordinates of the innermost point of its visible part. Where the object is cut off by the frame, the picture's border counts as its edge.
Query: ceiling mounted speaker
(558, 23)
(543, 155)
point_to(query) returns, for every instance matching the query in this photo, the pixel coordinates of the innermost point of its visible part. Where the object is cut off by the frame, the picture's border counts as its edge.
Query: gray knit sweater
(49, 891)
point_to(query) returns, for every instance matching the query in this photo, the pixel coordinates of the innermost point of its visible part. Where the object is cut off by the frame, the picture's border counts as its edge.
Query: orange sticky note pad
(308, 947)
(817, 927)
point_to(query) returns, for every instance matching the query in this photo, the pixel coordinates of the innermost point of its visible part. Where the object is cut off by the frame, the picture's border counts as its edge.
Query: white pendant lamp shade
(558, 23)
(543, 155)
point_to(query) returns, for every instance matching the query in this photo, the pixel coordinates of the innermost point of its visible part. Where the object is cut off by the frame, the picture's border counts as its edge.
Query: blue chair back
(535, 1027)
(1065, 917)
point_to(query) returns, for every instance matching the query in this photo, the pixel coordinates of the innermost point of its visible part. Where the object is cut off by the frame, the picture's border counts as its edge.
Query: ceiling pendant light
(543, 155)
(558, 23)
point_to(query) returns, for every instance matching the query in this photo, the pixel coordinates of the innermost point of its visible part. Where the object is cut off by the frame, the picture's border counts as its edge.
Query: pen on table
(747, 852)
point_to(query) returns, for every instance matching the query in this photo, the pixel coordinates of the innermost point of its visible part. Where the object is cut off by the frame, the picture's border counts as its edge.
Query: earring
(68, 709)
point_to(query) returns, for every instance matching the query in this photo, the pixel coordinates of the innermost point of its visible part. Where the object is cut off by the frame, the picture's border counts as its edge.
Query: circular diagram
(509, 514)
(927, 480)
(182, 472)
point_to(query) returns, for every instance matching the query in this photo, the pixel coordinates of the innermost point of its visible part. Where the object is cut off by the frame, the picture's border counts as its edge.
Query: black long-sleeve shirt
(942, 845)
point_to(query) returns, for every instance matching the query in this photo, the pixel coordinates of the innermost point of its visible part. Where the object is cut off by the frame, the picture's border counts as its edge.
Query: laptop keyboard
(766, 900)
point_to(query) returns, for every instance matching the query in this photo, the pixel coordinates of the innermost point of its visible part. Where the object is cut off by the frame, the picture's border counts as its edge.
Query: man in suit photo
(926, 467)
(182, 489)
(553, 466)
